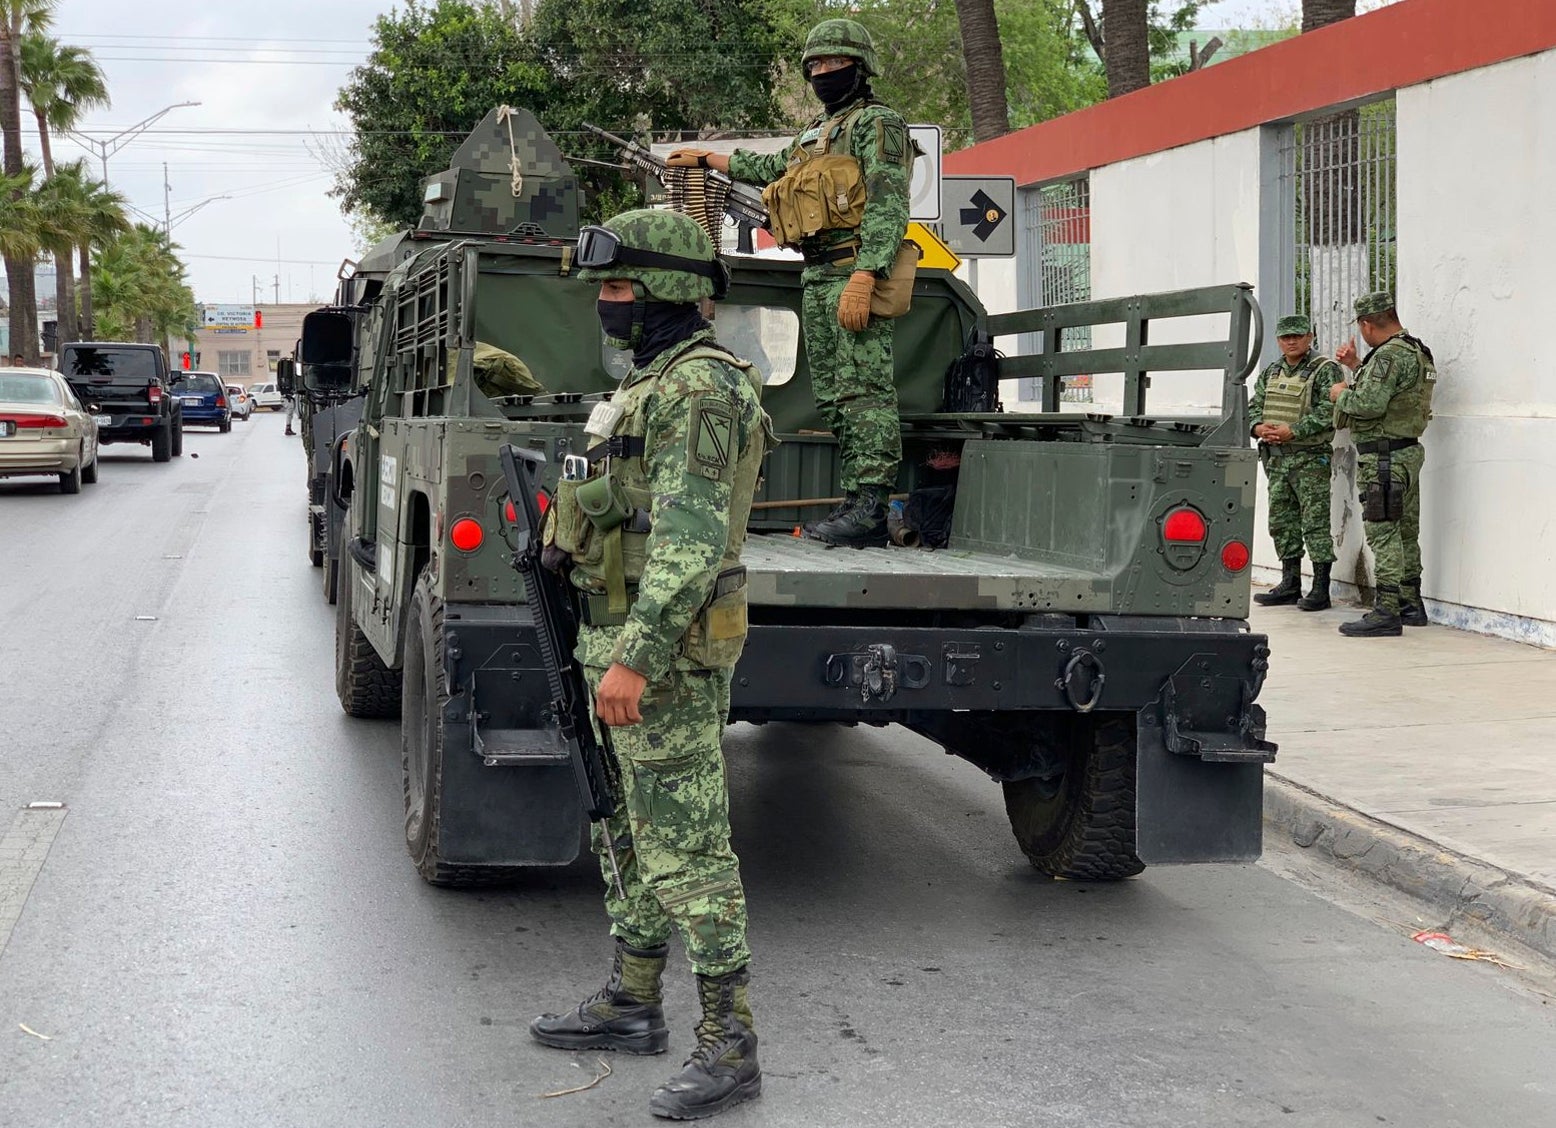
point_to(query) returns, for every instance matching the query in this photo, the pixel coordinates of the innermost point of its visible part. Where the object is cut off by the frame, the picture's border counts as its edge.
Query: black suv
(127, 384)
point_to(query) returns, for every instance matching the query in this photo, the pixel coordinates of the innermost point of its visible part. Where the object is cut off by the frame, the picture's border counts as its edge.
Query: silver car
(238, 398)
(266, 394)
(44, 429)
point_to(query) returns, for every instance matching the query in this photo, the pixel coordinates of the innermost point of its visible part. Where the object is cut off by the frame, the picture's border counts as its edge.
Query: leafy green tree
(436, 69)
(17, 18)
(107, 217)
(140, 285)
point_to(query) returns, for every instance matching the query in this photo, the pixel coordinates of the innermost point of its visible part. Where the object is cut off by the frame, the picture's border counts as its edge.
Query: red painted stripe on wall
(1404, 44)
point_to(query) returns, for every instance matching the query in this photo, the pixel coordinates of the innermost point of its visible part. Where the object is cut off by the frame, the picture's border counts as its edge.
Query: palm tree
(19, 219)
(17, 18)
(105, 217)
(140, 284)
(1321, 13)
(61, 83)
(985, 62)
(1127, 57)
(63, 204)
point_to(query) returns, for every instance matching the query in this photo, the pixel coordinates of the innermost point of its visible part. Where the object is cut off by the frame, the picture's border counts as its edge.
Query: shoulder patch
(891, 141)
(711, 437)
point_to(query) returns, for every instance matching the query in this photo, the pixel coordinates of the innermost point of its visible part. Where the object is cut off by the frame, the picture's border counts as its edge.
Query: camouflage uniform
(852, 374)
(1387, 409)
(676, 454)
(1299, 470)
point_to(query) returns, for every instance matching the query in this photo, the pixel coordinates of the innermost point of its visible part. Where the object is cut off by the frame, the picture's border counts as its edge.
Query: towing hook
(1075, 672)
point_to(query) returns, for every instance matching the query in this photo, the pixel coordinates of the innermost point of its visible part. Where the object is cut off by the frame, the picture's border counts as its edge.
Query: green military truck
(1081, 639)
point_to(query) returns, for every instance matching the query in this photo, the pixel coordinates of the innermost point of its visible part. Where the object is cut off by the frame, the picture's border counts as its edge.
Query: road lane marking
(22, 853)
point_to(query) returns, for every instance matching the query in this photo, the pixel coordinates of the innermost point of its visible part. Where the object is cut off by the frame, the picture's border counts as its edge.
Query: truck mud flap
(509, 797)
(1199, 782)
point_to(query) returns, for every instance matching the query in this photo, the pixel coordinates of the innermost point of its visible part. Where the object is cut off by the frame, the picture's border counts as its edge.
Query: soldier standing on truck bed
(843, 186)
(1293, 419)
(1387, 409)
(654, 534)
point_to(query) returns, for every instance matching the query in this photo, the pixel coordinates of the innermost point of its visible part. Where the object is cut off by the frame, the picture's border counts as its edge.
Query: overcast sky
(266, 75)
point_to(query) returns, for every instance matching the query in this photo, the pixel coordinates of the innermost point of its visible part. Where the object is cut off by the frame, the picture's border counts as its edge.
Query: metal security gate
(1339, 175)
(1056, 267)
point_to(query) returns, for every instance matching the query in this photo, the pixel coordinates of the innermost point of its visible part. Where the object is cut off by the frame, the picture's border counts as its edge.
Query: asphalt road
(226, 930)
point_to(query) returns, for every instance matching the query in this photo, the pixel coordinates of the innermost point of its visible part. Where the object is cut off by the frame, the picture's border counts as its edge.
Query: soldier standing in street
(1293, 419)
(654, 535)
(1387, 409)
(853, 161)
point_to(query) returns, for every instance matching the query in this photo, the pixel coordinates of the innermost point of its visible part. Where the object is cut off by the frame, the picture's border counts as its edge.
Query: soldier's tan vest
(823, 188)
(603, 523)
(1410, 411)
(1288, 396)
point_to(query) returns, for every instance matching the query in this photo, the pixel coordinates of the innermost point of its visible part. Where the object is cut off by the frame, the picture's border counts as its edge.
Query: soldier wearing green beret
(1293, 419)
(1387, 408)
(653, 536)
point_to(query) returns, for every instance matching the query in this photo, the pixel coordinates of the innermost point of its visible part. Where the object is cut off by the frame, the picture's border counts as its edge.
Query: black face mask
(616, 321)
(836, 88)
(664, 324)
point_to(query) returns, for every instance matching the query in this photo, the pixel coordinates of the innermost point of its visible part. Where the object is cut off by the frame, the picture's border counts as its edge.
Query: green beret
(1294, 325)
(1379, 301)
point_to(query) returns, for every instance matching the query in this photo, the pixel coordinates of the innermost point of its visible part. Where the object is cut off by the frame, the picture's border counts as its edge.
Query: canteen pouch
(822, 193)
(718, 633)
(894, 294)
(567, 528)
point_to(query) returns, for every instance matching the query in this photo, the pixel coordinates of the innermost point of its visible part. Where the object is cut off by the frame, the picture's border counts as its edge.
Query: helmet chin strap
(639, 313)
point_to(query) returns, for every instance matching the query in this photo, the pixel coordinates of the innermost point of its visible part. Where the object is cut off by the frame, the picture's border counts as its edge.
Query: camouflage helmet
(847, 38)
(666, 252)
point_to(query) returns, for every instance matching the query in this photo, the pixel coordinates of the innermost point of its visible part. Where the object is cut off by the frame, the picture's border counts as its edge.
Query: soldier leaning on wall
(1387, 410)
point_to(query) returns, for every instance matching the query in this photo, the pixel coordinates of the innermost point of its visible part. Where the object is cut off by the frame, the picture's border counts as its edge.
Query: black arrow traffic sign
(983, 216)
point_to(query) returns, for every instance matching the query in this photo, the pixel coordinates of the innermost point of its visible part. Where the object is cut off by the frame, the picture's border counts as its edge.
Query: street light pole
(106, 149)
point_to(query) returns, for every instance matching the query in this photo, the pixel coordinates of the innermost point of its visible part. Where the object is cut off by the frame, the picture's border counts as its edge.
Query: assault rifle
(740, 202)
(553, 605)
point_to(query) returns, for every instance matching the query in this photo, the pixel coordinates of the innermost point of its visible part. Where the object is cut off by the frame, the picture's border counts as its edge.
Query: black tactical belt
(621, 446)
(836, 254)
(1382, 446)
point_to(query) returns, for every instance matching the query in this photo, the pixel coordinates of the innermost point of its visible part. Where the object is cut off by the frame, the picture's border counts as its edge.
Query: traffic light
(259, 319)
(188, 361)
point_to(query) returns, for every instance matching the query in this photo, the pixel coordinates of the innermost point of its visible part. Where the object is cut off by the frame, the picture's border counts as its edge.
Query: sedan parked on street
(204, 398)
(266, 394)
(240, 403)
(44, 429)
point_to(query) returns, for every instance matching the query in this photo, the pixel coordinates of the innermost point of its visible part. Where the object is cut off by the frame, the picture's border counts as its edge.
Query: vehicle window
(766, 336)
(16, 388)
(197, 383)
(121, 364)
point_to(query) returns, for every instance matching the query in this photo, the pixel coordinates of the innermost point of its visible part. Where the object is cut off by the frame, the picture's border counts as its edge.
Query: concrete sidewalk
(1427, 762)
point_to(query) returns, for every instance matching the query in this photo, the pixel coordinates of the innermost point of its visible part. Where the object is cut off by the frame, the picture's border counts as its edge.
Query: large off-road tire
(1081, 825)
(70, 481)
(366, 687)
(178, 435)
(331, 580)
(162, 444)
(225, 426)
(89, 472)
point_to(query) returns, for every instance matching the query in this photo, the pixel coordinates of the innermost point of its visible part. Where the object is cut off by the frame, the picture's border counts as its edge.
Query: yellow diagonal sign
(932, 252)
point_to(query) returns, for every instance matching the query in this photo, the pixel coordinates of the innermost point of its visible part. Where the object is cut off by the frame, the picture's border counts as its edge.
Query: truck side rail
(1138, 358)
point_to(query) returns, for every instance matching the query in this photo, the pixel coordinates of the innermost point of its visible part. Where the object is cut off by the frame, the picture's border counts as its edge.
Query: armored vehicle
(1081, 638)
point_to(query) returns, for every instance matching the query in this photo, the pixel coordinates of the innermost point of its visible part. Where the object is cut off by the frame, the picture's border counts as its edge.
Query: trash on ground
(605, 1071)
(1448, 946)
(29, 1030)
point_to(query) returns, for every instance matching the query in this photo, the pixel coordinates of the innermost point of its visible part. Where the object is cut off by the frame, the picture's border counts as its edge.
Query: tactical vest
(603, 522)
(1410, 411)
(1288, 396)
(822, 190)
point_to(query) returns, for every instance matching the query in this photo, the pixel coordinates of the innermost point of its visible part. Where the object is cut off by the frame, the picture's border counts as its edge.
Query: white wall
(1477, 269)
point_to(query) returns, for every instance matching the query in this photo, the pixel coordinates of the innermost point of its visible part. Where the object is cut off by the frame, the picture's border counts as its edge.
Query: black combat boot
(1412, 608)
(723, 1069)
(623, 1015)
(1289, 590)
(1381, 622)
(842, 507)
(1318, 598)
(861, 526)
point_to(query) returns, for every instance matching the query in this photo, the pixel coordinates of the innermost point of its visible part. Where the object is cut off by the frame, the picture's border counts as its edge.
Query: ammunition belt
(1384, 446)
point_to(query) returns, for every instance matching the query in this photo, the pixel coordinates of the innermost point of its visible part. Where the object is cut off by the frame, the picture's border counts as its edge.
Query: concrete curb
(1461, 888)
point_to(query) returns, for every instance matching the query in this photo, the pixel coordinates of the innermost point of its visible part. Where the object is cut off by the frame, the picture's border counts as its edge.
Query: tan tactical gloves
(853, 308)
(689, 158)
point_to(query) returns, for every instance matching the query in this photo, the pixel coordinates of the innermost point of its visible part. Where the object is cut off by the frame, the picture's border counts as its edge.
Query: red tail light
(39, 422)
(221, 401)
(1184, 526)
(154, 393)
(466, 534)
(1234, 557)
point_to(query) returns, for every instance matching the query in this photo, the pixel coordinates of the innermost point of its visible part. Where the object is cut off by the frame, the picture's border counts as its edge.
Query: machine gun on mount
(702, 193)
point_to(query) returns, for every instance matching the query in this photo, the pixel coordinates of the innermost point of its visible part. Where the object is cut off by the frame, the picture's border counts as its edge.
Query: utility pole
(254, 288)
(278, 289)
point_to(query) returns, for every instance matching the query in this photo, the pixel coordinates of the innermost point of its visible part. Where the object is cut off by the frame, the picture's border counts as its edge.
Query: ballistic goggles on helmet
(600, 248)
